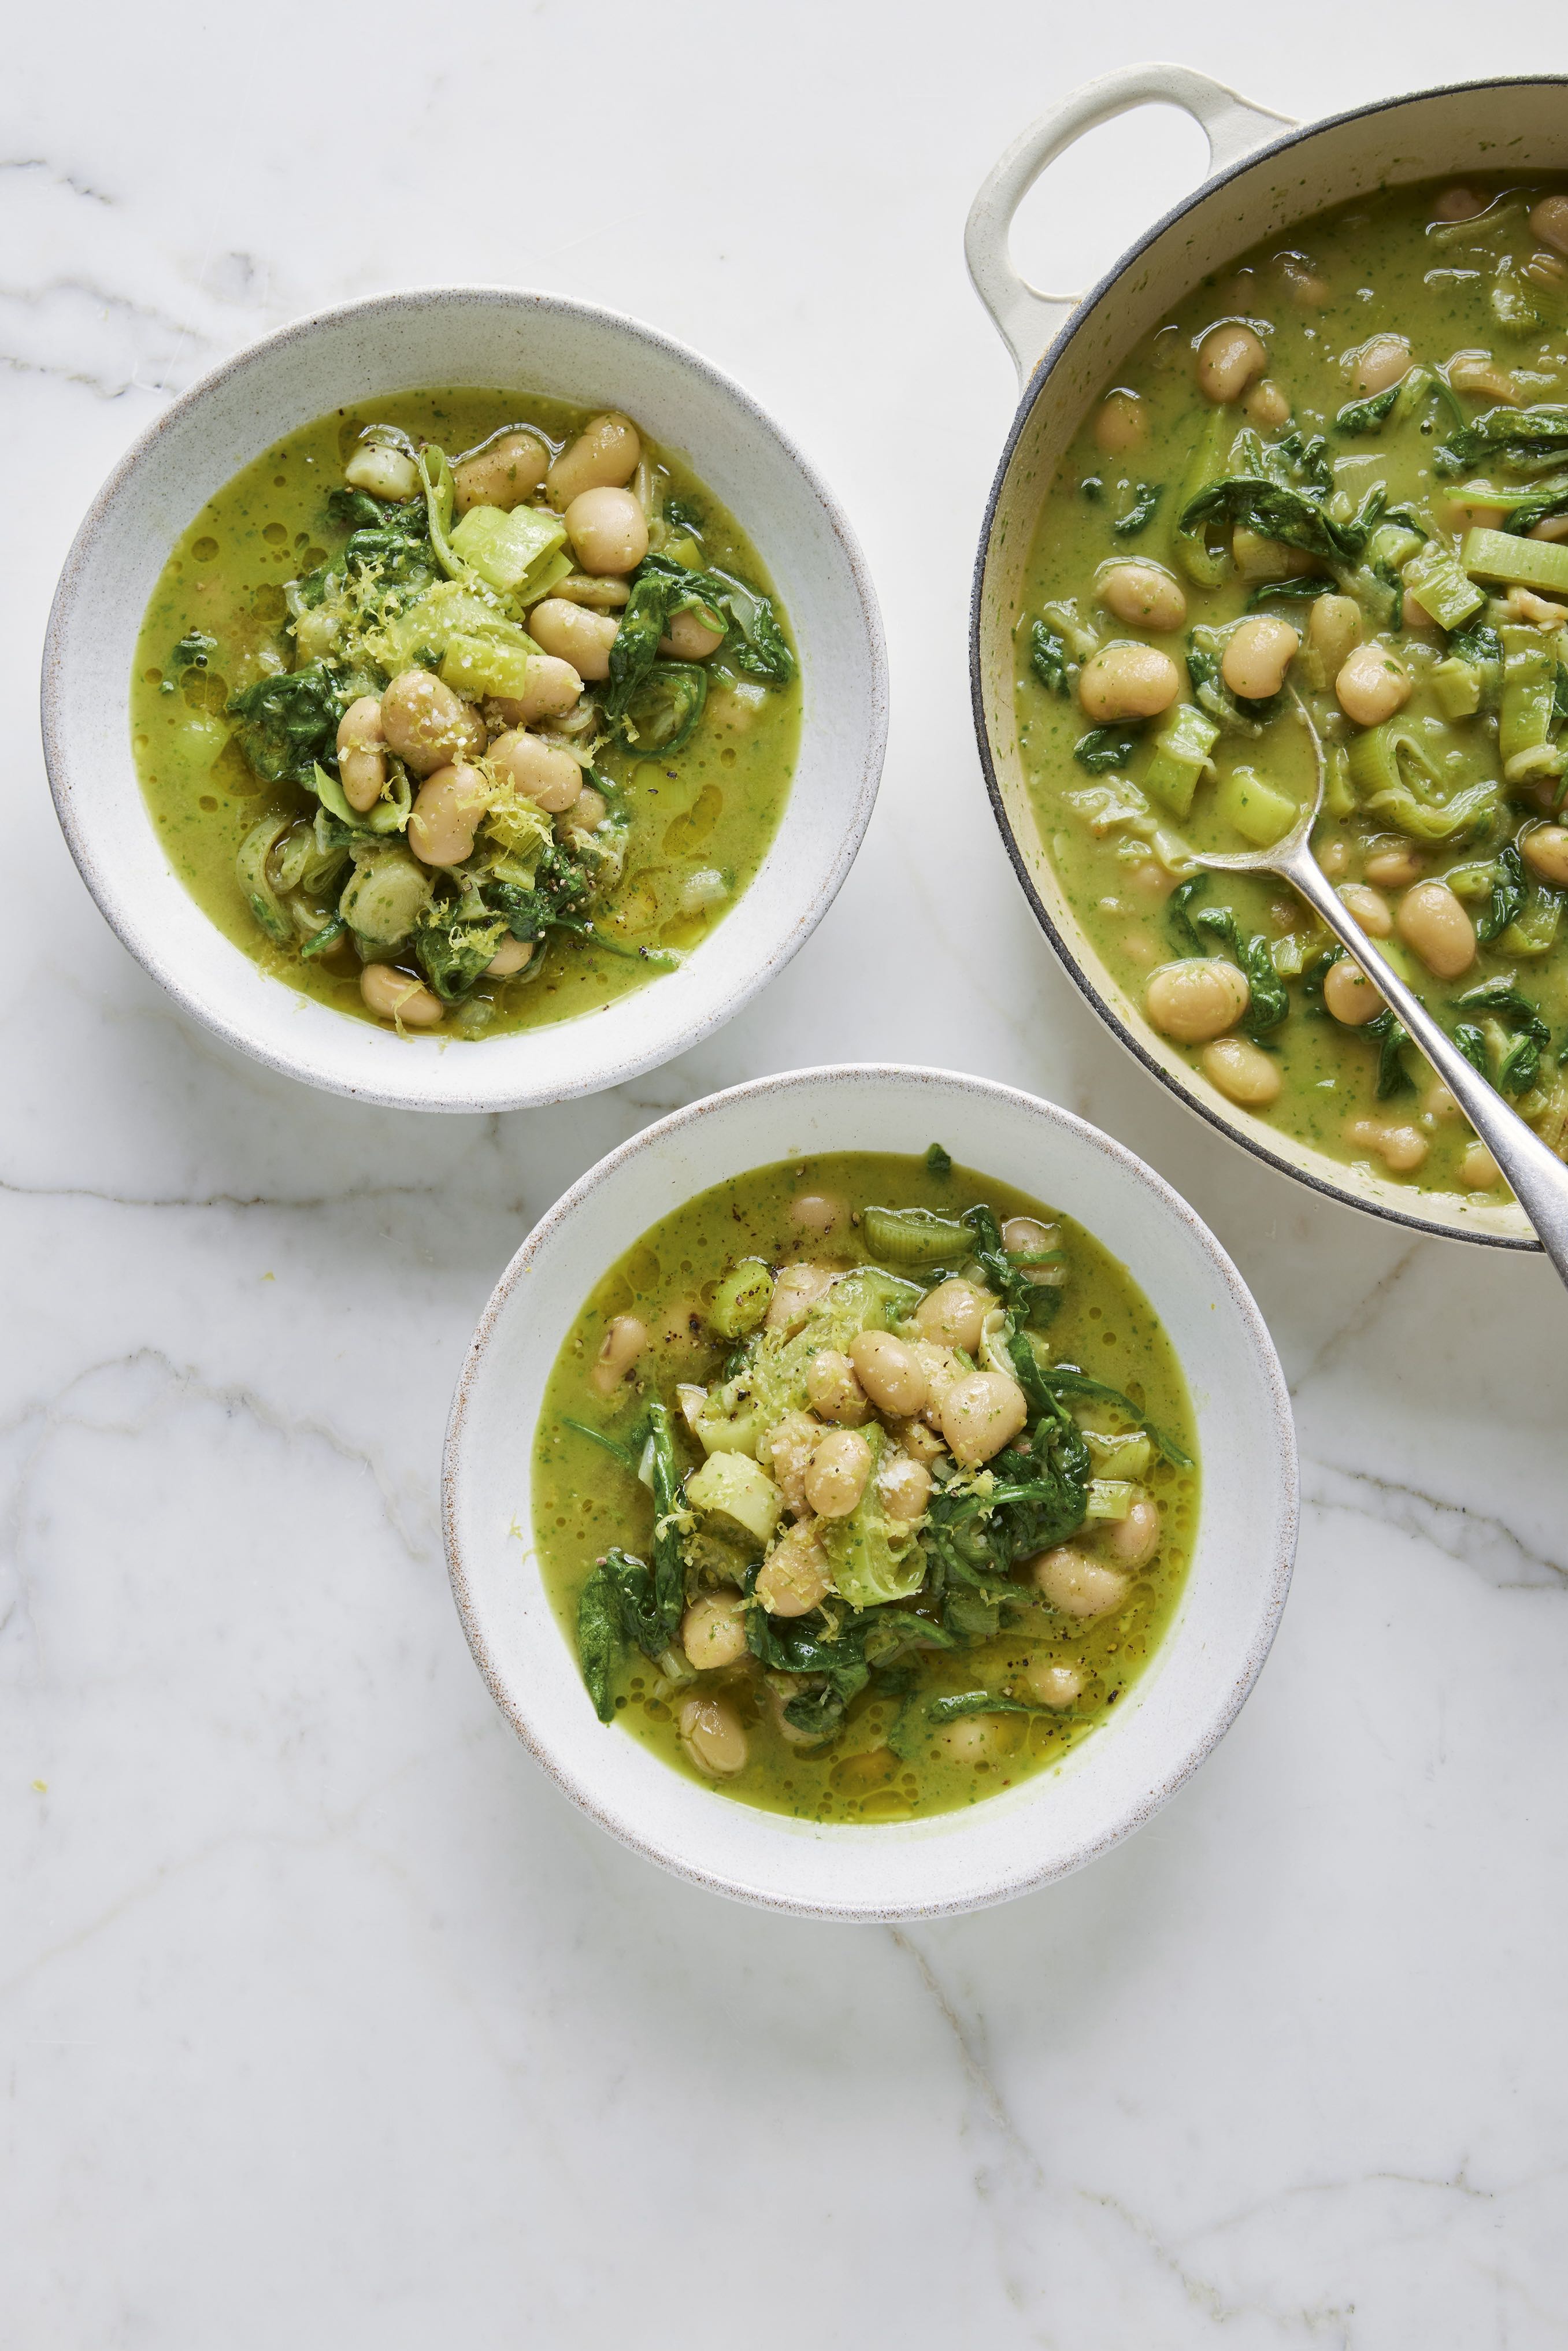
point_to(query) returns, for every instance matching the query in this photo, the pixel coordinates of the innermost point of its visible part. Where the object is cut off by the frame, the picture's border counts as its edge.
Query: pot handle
(1028, 322)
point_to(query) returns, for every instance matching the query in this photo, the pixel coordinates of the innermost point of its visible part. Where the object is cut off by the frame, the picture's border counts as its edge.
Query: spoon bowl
(1537, 1178)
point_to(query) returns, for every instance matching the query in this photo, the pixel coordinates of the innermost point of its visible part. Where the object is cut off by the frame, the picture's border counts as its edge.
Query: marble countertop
(324, 2019)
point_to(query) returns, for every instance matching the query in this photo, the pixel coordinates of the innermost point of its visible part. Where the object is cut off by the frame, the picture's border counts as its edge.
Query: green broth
(584, 1501)
(1316, 296)
(712, 807)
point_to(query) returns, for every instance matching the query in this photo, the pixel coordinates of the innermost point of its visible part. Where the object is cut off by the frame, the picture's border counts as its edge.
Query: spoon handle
(1537, 1177)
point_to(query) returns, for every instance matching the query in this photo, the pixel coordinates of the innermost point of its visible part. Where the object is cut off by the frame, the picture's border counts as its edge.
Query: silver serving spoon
(1538, 1179)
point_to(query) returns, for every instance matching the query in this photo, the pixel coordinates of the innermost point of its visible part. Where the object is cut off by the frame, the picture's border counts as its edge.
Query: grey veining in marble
(323, 2020)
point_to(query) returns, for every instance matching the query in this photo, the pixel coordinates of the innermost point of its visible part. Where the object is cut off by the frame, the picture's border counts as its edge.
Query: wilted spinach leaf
(1393, 1078)
(1049, 659)
(1472, 1043)
(1479, 643)
(1526, 440)
(1520, 1063)
(1367, 415)
(1141, 513)
(289, 722)
(981, 1701)
(454, 948)
(1269, 999)
(617, 1606)
(1508, 895)
(1178, 914)
(1293, 590)
(1066, 1379)
(799, 1646)
(1279, 493)
(1007, 1270)
(665, 706)
(625, 1599)
(1105, 747)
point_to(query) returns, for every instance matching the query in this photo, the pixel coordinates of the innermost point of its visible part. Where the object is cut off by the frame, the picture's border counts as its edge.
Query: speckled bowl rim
(1023, 1878)
(143, 942)
(1125, 1036)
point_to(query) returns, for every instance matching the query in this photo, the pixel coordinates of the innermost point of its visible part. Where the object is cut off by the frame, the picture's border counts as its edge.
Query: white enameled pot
(1189, 1692)
(467, 335)
(1266, 175)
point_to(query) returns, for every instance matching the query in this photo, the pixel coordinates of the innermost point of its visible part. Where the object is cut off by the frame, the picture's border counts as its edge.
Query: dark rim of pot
(1031, 395)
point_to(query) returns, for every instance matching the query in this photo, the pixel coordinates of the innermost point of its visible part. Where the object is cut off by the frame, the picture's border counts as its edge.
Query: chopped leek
(386, 898)
(506, 549)
(1339, 798)
(1125, 1454)
(1528, 702)
(1466, 817)
(1391, 755)
(905, 1237)
(1534, 931)
(1540, 563)
(491, 663)
(389, 814)
(250, 870)
(1259, 813)
(1435, 579)
(440, 502)
(1476, 881)
(1206, 466)
(1396, 778)
(1393, 544)
(546, 577)
(1458, 686)
(423, 631)
(732, 1486)
(1179, 756)
(1256, 558)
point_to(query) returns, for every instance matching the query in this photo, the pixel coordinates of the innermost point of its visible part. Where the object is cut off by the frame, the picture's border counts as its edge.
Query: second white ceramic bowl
(1187, 1695)
(536, 343)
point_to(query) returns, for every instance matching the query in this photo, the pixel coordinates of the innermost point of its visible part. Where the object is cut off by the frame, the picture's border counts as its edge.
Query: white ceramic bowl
(1187, 1695)
(467, 335)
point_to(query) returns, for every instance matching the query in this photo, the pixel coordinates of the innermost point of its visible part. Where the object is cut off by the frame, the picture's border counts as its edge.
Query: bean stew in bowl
(888, 1535)
(465, 711)
(836, 1510)
(473, 745)
(1286, 499)
(1336, 477)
